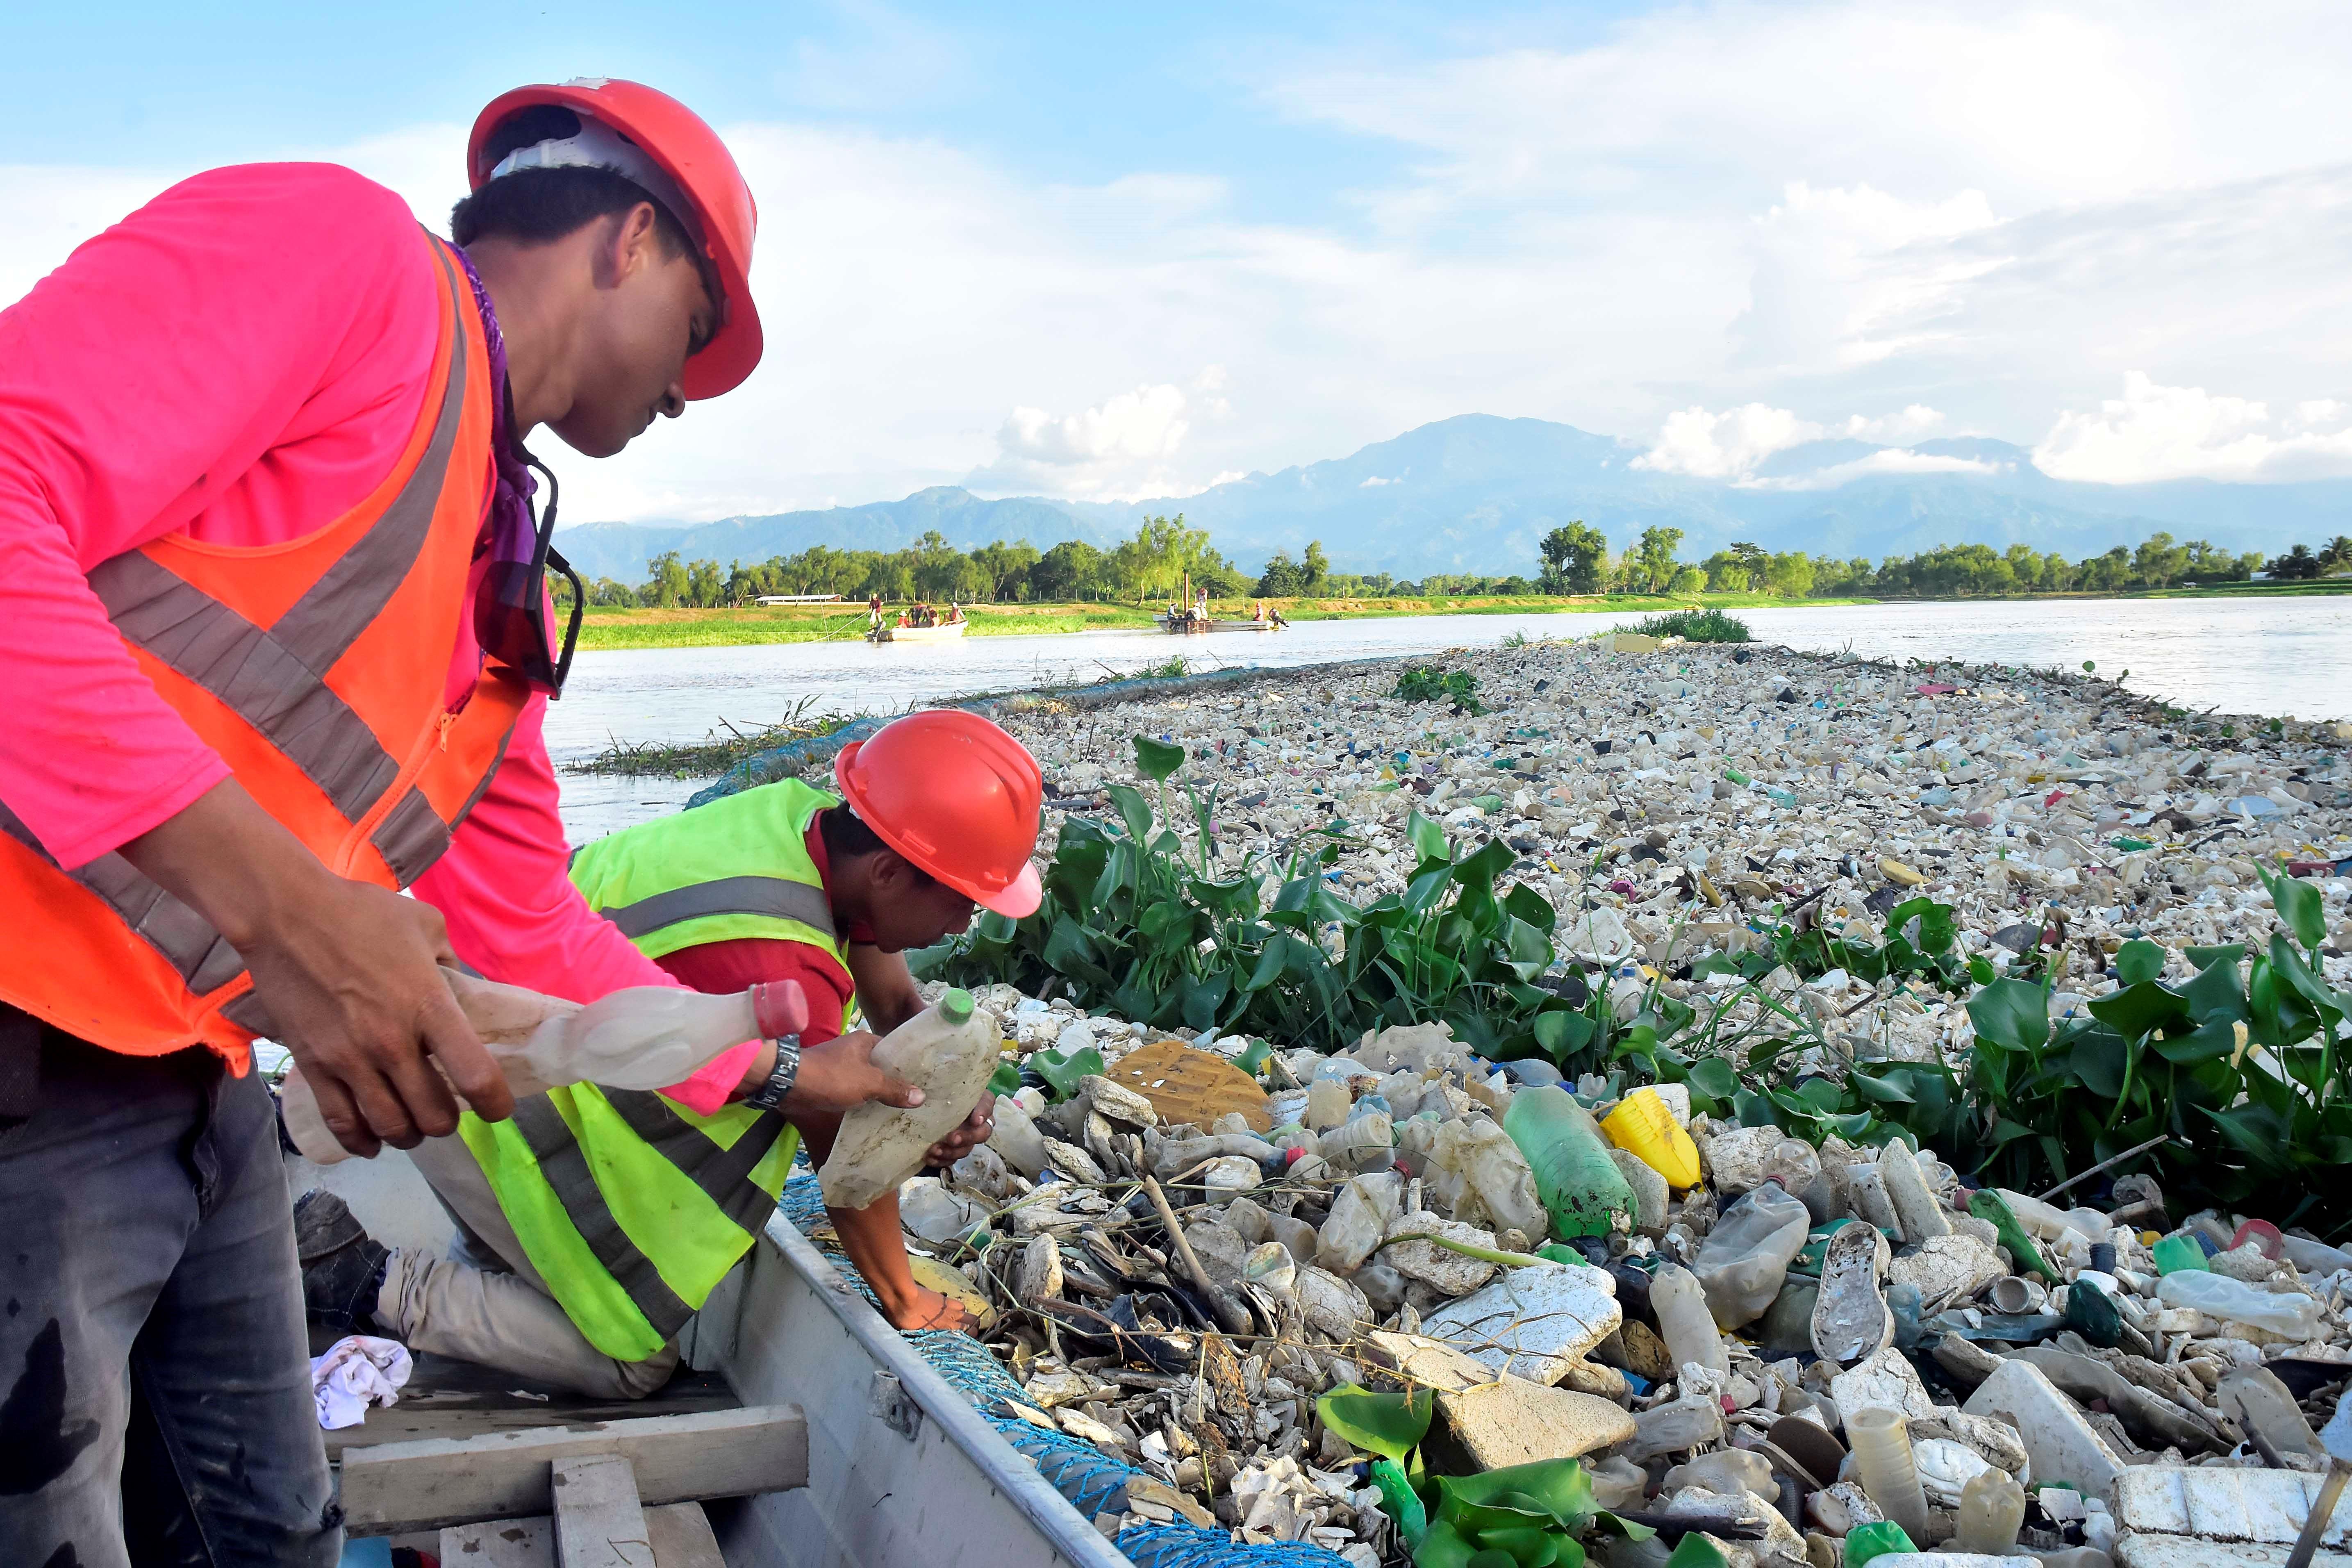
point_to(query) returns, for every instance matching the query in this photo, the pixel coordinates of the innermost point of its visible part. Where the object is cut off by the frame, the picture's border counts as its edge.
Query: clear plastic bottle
(1359, 1219)
(645, 1036)
(1684, 1320)
(948, 1050)
(2219, 1296)
(1745, 1258)
(1360, 1142)
(1992, 1511)
(1478, 1159)
(1882, 1453)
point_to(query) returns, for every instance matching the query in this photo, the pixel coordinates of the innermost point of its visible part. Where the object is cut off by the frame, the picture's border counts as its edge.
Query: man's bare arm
(350, 972)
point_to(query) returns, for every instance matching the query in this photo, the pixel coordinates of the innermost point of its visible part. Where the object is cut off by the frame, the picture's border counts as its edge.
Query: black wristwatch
(770, 1096)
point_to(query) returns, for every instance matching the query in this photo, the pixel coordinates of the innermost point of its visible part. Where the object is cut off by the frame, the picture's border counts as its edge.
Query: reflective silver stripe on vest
(200, 955)
(411, 836)
(724, 1175)
(779, 897)
(273, 680)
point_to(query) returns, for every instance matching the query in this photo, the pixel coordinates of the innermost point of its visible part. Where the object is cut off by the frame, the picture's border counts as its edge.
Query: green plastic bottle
(1579, 1184)
(2179, 1251)
(2026, 1257)
(1876, 1539)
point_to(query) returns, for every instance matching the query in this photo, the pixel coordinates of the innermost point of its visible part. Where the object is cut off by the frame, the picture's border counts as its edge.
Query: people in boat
(874, 611)
(272, 403)
(592, 1229)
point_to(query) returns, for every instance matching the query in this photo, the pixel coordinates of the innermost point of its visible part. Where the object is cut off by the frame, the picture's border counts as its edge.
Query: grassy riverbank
(639, 628)
(617, 629)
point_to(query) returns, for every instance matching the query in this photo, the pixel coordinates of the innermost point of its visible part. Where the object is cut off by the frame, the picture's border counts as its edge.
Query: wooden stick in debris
(2323, 1510)
(1229, 1313)
(2106, 1163)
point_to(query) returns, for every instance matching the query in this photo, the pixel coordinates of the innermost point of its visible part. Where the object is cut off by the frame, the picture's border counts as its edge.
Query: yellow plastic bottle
(1644, 1128)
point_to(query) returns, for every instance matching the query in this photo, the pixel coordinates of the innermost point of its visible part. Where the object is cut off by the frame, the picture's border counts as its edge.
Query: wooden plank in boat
(394, 1487)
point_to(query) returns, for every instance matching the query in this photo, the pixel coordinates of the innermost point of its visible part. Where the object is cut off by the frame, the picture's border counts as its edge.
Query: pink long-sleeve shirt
(243, 358)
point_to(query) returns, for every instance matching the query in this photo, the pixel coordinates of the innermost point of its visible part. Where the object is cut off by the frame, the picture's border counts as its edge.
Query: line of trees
(1161, 555)
(1576, 559)
(1572, 559)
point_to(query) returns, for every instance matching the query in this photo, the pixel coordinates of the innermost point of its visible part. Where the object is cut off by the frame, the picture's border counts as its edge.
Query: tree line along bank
(1164, 555)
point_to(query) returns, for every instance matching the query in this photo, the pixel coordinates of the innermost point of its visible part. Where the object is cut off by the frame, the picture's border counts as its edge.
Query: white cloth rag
(356, 1372)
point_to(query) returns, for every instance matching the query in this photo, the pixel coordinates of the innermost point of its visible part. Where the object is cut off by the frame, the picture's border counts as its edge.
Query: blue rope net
(1093, 1481)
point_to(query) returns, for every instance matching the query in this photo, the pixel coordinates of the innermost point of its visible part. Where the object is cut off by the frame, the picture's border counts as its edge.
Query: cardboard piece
(1185, 1084)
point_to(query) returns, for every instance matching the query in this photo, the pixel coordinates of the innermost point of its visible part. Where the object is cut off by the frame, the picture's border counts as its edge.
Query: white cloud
(1889, 460)
(1115, 449)
(2155, 432)
(1994, 210)
(1726, 445)
(1837, 282)
(1912, 424)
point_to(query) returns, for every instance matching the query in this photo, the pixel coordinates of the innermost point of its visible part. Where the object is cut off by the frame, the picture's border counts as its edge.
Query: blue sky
(1120, 251)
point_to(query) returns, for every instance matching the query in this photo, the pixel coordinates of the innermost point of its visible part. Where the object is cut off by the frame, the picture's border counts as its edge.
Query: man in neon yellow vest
(596, 1221)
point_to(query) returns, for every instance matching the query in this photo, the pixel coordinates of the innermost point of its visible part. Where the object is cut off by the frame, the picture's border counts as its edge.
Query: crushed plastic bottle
(1992, 1511)
(948, 1050)
(1745, 1258)
(1581, 1187)
(1359, 1219)
(1478, 1174)
(1360, 1142)
(1684, 1321)
(1882, 1456)
(2295, 1315)
(1327, 1103)
(644, 1036)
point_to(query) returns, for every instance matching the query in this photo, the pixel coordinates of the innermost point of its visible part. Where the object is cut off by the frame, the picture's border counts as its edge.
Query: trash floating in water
(1390, 1270)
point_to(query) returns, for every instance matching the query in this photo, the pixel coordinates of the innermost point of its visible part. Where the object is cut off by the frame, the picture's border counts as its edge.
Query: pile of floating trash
(1310, 1294)
(1786, 1355)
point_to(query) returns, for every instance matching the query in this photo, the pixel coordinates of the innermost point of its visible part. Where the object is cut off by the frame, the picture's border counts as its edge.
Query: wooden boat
(1184, 625)
(946, 631)
(814, 1432)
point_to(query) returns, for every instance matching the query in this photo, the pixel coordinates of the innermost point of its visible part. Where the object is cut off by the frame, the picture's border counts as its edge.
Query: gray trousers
(485, 1303)
(155, 1400)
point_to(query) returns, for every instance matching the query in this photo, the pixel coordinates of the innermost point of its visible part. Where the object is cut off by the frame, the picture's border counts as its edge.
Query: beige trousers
(505, 1318)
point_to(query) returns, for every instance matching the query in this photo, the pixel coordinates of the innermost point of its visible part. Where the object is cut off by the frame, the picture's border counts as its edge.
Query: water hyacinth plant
(2240, 1063)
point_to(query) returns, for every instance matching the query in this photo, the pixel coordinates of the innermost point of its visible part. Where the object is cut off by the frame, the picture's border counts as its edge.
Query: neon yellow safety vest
(631, 1206)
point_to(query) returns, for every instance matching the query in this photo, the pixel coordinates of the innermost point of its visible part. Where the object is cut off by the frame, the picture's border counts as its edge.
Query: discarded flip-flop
(1850, 1318)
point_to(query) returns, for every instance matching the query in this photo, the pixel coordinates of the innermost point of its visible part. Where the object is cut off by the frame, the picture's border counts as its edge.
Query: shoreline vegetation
(612, 629)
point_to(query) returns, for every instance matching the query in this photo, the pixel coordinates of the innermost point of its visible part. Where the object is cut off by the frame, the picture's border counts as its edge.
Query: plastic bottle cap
(955, 1006)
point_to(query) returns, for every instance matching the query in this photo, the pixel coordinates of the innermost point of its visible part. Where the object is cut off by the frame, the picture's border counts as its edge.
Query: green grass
(715, 752)
(606, 630)
(2320, 585)
(1709, 625)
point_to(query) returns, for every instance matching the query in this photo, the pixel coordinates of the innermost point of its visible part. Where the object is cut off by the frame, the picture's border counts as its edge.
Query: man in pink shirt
(277, 647)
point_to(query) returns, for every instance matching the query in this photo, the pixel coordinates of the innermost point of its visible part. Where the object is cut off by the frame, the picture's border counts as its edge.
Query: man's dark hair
(534, 206)
(847, 838)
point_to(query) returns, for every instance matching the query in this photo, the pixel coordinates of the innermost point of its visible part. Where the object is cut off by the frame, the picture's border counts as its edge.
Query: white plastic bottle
(1684, 1320)
(948, 1050)
(2293, 1314)
(645, 1036)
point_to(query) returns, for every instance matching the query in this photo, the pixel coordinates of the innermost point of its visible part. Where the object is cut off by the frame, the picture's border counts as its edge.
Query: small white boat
(947, 631)
(1182, 625)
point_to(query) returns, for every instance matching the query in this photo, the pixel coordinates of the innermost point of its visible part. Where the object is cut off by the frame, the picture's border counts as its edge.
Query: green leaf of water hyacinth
(1390, 1425)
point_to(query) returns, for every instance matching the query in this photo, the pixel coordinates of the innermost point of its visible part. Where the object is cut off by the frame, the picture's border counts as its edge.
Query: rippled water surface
(2287, 657)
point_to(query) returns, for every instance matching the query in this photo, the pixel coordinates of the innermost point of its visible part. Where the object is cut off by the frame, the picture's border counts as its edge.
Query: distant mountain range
(1475, 492)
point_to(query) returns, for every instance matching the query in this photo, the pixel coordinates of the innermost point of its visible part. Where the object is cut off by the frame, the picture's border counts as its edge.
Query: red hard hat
(957, 796)
(689, 154)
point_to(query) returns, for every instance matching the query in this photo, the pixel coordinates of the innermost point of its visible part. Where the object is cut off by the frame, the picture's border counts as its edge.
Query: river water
(2288, 656)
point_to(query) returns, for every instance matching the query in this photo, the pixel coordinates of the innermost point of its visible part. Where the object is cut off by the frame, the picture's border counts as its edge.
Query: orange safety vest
(318, 669)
